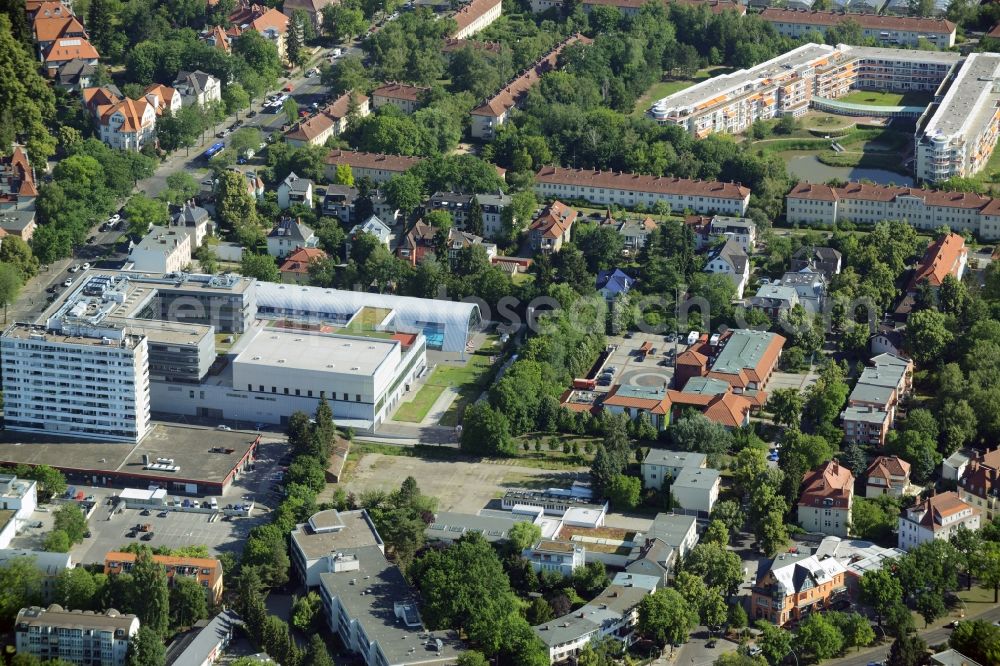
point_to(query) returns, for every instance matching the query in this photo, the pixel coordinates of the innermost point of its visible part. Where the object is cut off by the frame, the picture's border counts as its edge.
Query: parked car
(162, 514)
(75, 268)
(144, 512)
(148, 536)
(223, 427)
(114, 219)
(86, 267)
(68, 283)
(288, 87)
(131, 534)
(251, 113)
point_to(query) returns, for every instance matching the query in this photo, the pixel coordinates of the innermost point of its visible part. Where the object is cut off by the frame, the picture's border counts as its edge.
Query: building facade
(979, 482)
(474, 16)
(886, 30)
(937, 517)
(871, 407)
(553, 555)
(86, 639)
(796, 585)
(926, 210)
(206, 572)
(403, 96)
(163, 250)
(887, 475)
(628, 189)
(826, 500)
(92, 384)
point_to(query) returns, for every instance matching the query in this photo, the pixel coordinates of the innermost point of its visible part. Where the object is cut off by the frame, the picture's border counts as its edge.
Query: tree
(908, 650)
(16, 252)
(987, 566)
(245, 139)
(716, 532)
(522, 535)
(875, 518)
(819, 637)
(295, 42)
(260, 266)
(928, 336)
(717, 565)
(486, 431)
(774, 642)
(21, 582)
(856, 629)
(404, 192)
(28, 103)
(472, 658)
(968, 544)
(730, 514)
(143, 212)
(181, 186)
(291, 110)
(146, 649)
(697, 433)
(70, 519)
(342, 22)
(234, 205)
(77, 589)
(665, 617)
(57, 541)
(10, 285)
(319, 655)
(344, 175)
(978, 640)
(305, 612)
(187, 602)
(786, 405)
(152, 607)
(736, 616)
(624, 492)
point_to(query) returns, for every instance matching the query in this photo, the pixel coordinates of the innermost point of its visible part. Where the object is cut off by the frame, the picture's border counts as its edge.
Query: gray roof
(499, 200)
(726, 224)
(732, 252)
(197, 80)
(205, 642)
(674, 458)
(693, 477)
(670, 528)
(291, 229)
(369, 595)
(296, 183)
(775, 294)
(876, 384)
(16, 220)
(864, 415)
(450, 526)
(952, 658)
(608, 608)
(341, 193)
(74, 70)
(317, 539)
(190, 214)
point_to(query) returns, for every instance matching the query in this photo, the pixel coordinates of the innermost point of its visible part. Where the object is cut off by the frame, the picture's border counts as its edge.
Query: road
(34, 296)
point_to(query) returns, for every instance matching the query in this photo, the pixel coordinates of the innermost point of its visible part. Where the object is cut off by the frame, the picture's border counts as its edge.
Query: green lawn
(415, 410)
(469, 379)
(875, 98)
(661, 89)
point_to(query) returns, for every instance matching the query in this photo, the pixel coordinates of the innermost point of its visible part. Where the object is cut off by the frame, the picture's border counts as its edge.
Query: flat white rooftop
(301, 350)
(971, 100)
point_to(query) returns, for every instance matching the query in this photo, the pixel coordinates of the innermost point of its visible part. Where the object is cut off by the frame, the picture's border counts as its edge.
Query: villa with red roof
(946, 256)
(887, 475)
(826, 499)
(125, 124)
(979, 484)
(296, 265)
(552, 228)
(937, 517)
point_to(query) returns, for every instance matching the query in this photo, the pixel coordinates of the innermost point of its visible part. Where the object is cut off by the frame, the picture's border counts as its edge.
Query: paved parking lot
(631, 368)
(459, 486)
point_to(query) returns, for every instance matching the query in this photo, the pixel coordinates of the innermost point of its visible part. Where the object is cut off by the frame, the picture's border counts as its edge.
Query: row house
(377, 166)
(328, 122)
(630, 189)
(864, 203)
(888, 30)
(403, 96)
(475, 16)
(206, 571)
(495, 110)
(871, 407)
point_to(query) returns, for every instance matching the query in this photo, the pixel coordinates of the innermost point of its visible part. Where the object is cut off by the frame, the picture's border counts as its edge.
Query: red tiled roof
(690, 357)
(509, 96)
(131, 109)
(298, 261)
(452, 44)
(404, 91)
(48, 8)
(73, 47)
(888, 468)
(869, 192)
(471, 12)
(328, 116)
(870, 21)
(555, 220)
(398, 163)
(19, 169)
(48, 29)
(829, 481)
(942, 258)
(641, 183)
(994, 32)
(938, 506)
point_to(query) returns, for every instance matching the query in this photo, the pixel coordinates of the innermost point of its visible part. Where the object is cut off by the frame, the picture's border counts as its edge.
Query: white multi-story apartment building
(662, 465)
(956, 137)
(814, 203)
(789, 83)
(826, 499)
(163, 250)
(78, 381)
(475, 16)
(128, 125)
(937, 517)
(888, 30)
(628, 189)
(87, 639)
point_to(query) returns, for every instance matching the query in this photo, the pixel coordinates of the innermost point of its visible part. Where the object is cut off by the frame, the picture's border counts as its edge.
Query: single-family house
(339, 201)
(198, 87)
(372, 226)
(295, 190)
(193, 220)
(826, 499)
(614, 283)
(732, 260)
(296, 265)
(937, 517)
(824, 259)
(289, 235)
(887, 475)
(552, 228)
(775, 300)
